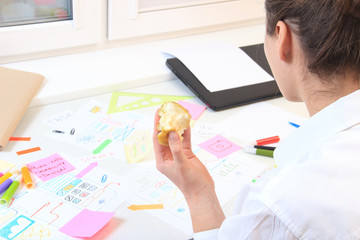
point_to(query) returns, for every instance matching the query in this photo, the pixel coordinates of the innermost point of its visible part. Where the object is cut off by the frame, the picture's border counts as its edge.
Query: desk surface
(125, 224)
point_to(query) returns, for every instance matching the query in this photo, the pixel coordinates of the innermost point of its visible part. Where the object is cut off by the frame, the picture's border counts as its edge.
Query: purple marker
(6, 184)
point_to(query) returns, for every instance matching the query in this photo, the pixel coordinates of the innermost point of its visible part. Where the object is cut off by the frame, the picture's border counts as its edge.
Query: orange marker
(27, 177)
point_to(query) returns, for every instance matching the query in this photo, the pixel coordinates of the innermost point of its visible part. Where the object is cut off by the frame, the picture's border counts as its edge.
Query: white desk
(126, 224)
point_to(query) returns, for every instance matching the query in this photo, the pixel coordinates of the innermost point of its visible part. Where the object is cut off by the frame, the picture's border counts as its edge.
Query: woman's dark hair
(329, 31)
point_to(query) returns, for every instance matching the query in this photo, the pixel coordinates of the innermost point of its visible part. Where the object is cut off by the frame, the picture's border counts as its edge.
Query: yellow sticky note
(137, 146)
(4, 165)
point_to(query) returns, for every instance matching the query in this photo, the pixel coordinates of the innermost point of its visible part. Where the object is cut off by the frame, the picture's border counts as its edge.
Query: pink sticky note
(195, 110)
(219, 146)
(86, 223)
(50, 167)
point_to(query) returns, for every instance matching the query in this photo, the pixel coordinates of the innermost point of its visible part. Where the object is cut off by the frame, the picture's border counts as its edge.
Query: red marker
(269, 140)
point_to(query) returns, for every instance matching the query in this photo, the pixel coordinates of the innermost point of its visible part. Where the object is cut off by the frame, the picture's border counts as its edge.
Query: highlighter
(5, 199)
(258, 151)
(6, 184)
(27, 177)
(5, 176)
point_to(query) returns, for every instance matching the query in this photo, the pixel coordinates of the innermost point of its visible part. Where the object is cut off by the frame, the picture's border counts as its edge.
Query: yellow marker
(27, 177)
(145, 207)
(6, 176)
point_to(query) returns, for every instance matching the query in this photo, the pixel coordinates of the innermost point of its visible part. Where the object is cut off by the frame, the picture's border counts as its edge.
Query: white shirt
(315, 191)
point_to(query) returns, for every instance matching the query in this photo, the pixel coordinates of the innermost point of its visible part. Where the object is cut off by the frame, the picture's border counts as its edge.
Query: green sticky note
(139, 100)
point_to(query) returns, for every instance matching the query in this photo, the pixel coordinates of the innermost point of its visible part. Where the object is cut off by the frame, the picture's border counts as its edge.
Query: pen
(264, 147)
(258, 151)
(269, 140)
(27, 177)
(6, 184)
(57, 131)
(5, 199)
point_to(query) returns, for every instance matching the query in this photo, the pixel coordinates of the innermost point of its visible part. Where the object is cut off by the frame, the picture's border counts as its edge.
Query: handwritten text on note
(50, 167)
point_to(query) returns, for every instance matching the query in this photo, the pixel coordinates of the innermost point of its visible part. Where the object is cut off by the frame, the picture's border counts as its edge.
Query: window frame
(130, 22)
(85, 28)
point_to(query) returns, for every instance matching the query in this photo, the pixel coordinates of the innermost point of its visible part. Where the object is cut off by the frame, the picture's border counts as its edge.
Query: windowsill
(87, 74)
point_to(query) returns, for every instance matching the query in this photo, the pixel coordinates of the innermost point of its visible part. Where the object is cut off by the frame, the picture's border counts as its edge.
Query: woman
(313, 48)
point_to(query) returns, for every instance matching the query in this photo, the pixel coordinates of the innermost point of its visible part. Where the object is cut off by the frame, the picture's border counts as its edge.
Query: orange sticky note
(30, 150)
(19, 138)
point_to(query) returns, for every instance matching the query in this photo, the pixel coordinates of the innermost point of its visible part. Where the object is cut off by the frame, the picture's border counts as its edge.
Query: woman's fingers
(176, 147)
(187, 139)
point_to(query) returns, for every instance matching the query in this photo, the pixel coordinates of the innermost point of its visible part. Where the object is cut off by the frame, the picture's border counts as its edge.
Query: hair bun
(350, 7)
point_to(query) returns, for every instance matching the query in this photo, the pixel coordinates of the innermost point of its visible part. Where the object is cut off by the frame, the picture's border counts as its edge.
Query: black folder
(233, 97)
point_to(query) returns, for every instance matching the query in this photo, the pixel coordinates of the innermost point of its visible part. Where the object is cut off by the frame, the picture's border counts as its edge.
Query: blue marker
(294, 124)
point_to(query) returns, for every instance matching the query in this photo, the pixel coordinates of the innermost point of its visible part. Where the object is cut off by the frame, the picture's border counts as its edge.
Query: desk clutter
(66, 195)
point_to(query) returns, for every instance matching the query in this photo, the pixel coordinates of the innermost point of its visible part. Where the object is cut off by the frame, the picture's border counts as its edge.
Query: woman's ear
(284, 41)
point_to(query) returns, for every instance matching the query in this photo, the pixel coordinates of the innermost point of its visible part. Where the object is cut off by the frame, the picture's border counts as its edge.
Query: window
(43, 26)
(45, 34)
(20, 12)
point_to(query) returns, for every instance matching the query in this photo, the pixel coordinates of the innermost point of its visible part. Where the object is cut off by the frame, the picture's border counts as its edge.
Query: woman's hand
(180, 165)
(186, 171)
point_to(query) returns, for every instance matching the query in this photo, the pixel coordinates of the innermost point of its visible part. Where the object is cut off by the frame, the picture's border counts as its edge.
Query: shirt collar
(342, 114)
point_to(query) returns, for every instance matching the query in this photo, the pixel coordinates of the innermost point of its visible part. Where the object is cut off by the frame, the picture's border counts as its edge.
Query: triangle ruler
(141, 101)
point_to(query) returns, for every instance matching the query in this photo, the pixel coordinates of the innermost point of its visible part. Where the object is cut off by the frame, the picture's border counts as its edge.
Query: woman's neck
(318, 94)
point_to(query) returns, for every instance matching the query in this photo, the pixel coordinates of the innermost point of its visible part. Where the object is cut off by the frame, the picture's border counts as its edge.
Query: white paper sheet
(260, 120)
(220, 66)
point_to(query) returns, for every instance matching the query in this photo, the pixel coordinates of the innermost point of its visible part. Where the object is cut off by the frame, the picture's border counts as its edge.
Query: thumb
(176, 147)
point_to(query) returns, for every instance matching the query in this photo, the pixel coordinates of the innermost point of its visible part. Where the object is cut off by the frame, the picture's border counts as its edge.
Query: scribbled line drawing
(97, 194)
(51, 212)
(45, 205)
(227, 168)
(117, 130)
(55, 184)
(36, 231)
(220, 145)
(15, 227)
(145, 180)
(6, 214)
(68, 187)
(57, 216)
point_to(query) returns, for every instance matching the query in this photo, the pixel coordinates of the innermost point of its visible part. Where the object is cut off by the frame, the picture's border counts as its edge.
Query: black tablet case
(233, 97)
